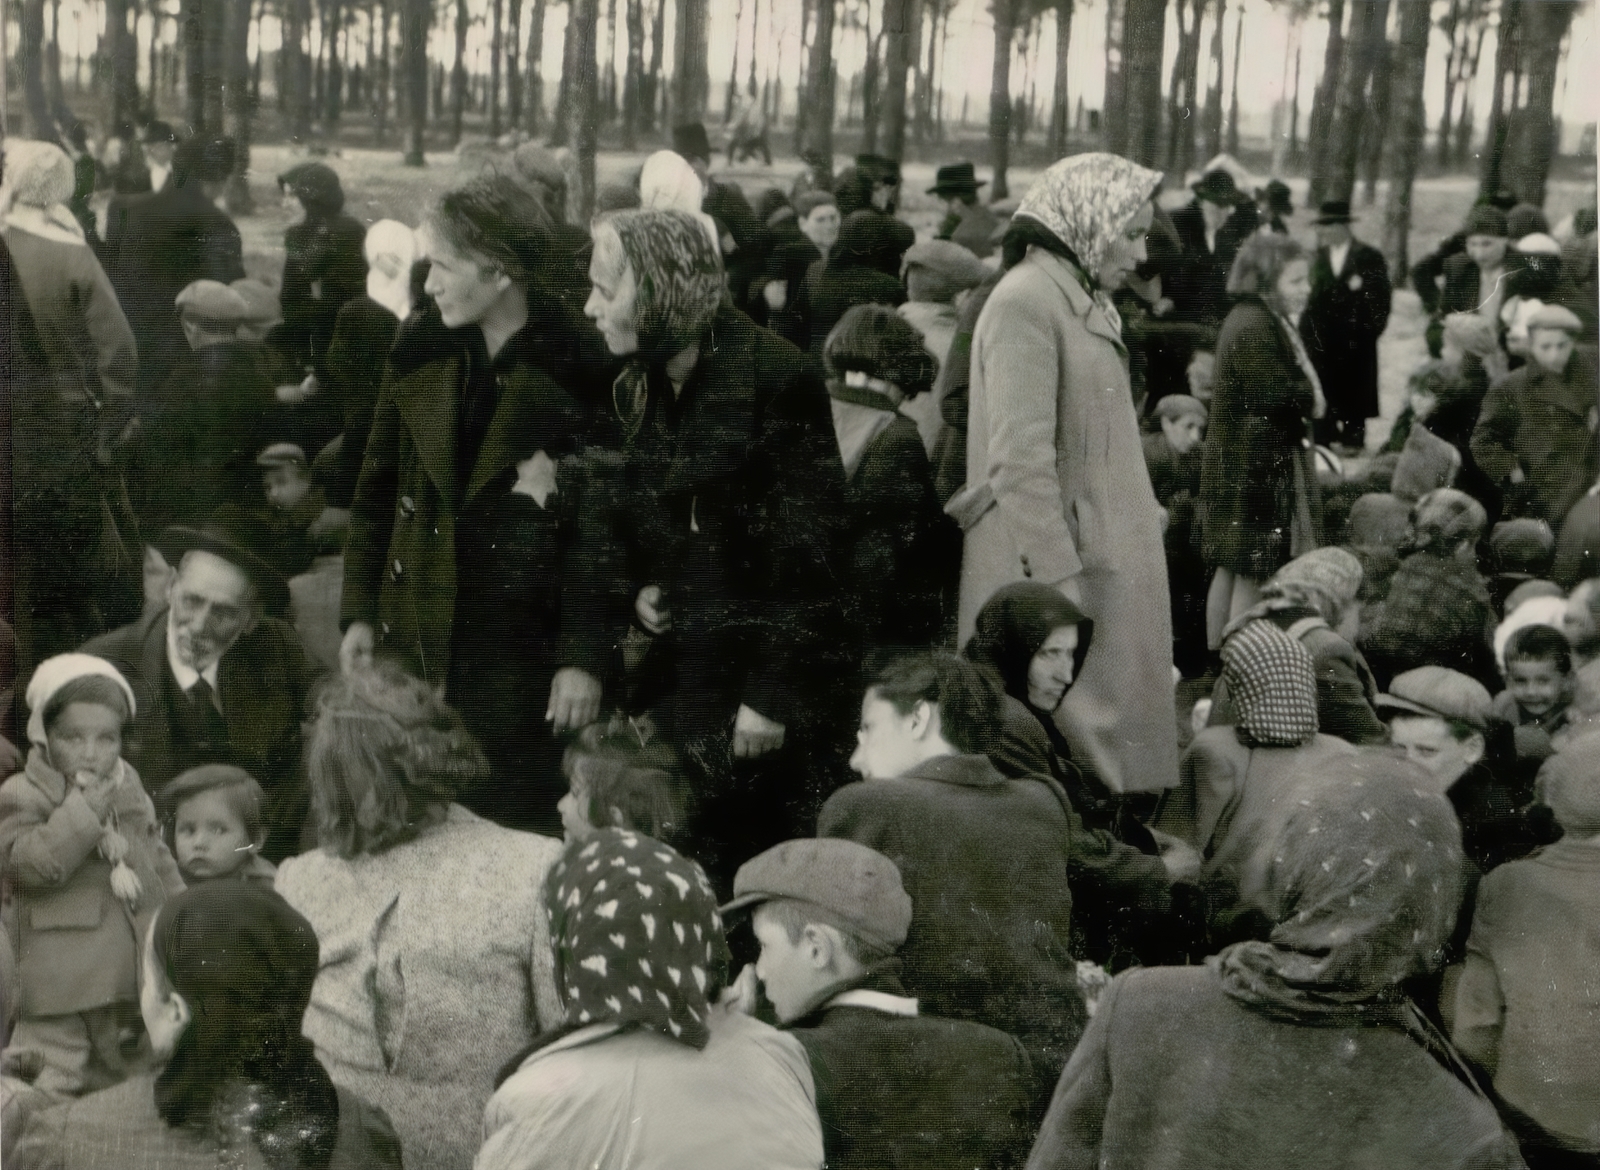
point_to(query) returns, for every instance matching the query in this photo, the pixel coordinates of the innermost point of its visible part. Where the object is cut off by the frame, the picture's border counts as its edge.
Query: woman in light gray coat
(1057, 490)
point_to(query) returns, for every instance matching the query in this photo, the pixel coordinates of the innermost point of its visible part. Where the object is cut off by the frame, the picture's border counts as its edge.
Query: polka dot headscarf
(637, 935)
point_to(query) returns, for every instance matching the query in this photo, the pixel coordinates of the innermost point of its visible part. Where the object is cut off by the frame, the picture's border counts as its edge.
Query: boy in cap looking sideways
(894, 1088)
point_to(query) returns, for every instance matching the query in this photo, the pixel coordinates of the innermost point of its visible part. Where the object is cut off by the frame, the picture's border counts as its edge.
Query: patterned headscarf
(1365, 877)
(1087, 199)
(637, 936)
(1273, 683)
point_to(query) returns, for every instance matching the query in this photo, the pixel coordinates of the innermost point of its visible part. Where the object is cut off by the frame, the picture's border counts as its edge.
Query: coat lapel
(1081, 302)
(514, 432)
(155, 731)
(718, 427)
(427, 399)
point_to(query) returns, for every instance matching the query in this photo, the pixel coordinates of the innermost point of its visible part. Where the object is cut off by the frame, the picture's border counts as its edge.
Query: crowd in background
(741, 683)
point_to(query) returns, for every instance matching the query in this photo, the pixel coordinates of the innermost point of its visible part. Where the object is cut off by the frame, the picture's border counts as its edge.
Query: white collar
(1337, 253)
(187, 675)
(878, 1001)
(158, 176)
(394, 295)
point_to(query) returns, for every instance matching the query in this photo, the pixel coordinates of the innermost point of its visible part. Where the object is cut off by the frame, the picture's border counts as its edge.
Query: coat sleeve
(1207, 788)
(1073, 1128)
(1342, 705)
(1494, 438)
(372, 515)
(41, 847)
(116, 359)
(1425, 276)
(1480, 1008)
(1021, 374)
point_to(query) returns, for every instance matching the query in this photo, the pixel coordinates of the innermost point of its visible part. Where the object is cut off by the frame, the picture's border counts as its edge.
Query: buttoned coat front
(1052, 432)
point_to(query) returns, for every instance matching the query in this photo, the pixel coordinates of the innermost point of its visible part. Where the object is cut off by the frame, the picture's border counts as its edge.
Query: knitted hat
(39, 173)
(1447, 517)
(1524, 545)
(1273, 683)
(260, 300)
(1524, 220)
(1182, 406)
(1437, 691)
(1333, 571)
(858, 887)
(1569, 783)
(54, 673)
(1484, 220)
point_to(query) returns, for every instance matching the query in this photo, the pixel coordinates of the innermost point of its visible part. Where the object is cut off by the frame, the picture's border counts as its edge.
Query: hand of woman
(574, 699)
(754, 735)
(653, 616)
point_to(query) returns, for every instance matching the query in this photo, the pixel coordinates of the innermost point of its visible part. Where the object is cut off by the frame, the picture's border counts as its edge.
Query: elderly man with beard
(218, 681)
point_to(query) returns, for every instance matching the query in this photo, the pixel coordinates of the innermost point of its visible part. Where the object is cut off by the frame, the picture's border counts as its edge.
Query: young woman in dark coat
(1259, 505)
(462, 556)
(732, 532)
(324, 264)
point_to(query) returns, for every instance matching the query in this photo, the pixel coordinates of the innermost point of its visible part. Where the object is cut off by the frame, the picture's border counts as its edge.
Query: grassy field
(378, 186)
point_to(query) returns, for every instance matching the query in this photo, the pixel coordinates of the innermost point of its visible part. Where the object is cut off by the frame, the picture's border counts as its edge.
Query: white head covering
(54, 673)
(393, 238)
(39, 177)
(668, 183)
(1536, 611)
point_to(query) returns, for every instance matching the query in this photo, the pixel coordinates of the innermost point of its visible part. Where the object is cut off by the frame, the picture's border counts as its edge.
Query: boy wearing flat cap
(894, 1088)
(1536, 433)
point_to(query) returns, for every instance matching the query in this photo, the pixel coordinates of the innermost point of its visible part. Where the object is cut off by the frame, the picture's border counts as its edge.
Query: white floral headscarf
(1086, 199)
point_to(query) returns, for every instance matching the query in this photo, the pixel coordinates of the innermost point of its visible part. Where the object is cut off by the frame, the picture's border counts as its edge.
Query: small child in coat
(214, 814)
(1525, 1008)
(1531, 713)
(83, 870)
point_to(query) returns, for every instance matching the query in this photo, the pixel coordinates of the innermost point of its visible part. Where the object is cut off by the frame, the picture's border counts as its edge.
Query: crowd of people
(741, 684)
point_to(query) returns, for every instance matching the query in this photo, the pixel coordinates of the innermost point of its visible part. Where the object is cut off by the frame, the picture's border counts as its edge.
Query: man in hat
(1275, 204)
(158, 244)
(1210, 228)
(966, 222)
(1347, 313)
(217, 680)
(895, 1087)
(159, 144)
(884, 176)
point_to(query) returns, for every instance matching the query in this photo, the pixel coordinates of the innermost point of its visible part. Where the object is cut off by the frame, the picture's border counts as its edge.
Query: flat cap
(950, 260)
(259, 299)
(857, 887)
(213, 299)
(1440, 692)
(1555, 317)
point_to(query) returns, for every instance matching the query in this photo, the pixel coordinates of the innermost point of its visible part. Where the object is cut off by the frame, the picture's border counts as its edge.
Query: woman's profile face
(461, 283)
(1050, 669)
(1126, 250)
(613, 295)
(1294, 286)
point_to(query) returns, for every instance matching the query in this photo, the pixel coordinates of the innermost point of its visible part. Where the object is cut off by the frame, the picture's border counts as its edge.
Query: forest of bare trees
(366, 65)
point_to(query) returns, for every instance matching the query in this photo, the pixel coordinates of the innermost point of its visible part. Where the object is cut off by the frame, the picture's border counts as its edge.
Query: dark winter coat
(358, 353)
(1198, 282)
(1546, 424)
(915, 1092)
(156, 245)
(986, 862)
(1258, 458)
(1426, 272)
(262, 683)
(1174, 1072)
(324, 266)
(1462, 292)
(845, 282)
(1342, 322)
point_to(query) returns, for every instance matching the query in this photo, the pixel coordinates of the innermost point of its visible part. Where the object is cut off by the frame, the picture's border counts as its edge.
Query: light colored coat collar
(1078, 299)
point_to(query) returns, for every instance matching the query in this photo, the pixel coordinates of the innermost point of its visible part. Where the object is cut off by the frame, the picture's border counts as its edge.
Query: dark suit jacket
(263, 682)
(1462, 277)
(1198, 281)
(1341, 325)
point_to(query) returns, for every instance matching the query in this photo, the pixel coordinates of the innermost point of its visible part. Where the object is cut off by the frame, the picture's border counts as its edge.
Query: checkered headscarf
(1273, 683)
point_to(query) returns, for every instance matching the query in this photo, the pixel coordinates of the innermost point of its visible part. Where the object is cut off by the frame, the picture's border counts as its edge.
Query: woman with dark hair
(1259, 505)
(1301, 1049)
(460, 555)
(731, 530)
(854, 274)
(324, 263)
(435, 950)
(643, 1069)
(1057, 490)
(227, 972)
(985, 859)
(902, 551)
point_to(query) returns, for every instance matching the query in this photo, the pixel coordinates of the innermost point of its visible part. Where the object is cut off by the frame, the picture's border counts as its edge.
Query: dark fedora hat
(1334, 211)
(222, 535)
(1218, 187)
(956, 179)
(1276, 195)
(690, 141)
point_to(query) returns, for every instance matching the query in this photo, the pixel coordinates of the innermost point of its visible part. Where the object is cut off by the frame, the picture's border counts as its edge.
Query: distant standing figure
(1347, 313)
(323, 266)
(966, 221)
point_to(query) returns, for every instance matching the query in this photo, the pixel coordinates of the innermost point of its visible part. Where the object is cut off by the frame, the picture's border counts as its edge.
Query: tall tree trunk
(52, 60)
(1455, 37)
(1060, 97)
(415, 17)
(381, 77)
(650, 91)
(1465, 123)
(902, 23)
(1375, 125)
(1183, 104)
(821, 85)
(123, 48)
(458, 76)
(1527, 162)
(1233, 84)
(561, 123)
(513, 65)
(496, 48)
(155, 57)
(31, 50)
(609, 73)
(1294, 103)
(1113, 118)
(297, 66)
(582, 107)
(691, 79)
(730, 95)
(633, 78)
(1404, 140)
(1368, 18)
(533, 106)
(240, 105)
(1005, 29)
(1139, 87)
(1213, 114)
(870, 83)
(1322, 101)
(1505, 66)
(191, 26)
(333, 94)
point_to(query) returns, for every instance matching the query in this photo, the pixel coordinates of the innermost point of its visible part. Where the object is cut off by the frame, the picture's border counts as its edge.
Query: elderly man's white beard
(393, 294)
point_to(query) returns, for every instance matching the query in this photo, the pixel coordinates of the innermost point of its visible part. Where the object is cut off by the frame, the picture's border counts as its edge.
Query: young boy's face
(791, 980)
(1536, 684)
(1201, 373)
(574, 807)
(1551, 349)
(210, 836)
(286, 486)
(1183, 433)
(1429, 741)
(85, 737)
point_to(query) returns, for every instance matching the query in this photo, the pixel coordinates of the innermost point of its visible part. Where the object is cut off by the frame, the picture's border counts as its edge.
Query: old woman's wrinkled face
(614, 294)
(1127, 250)
(1050, 669)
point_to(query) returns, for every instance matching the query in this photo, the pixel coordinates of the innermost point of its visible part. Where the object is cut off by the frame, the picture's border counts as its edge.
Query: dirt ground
(378, 186)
